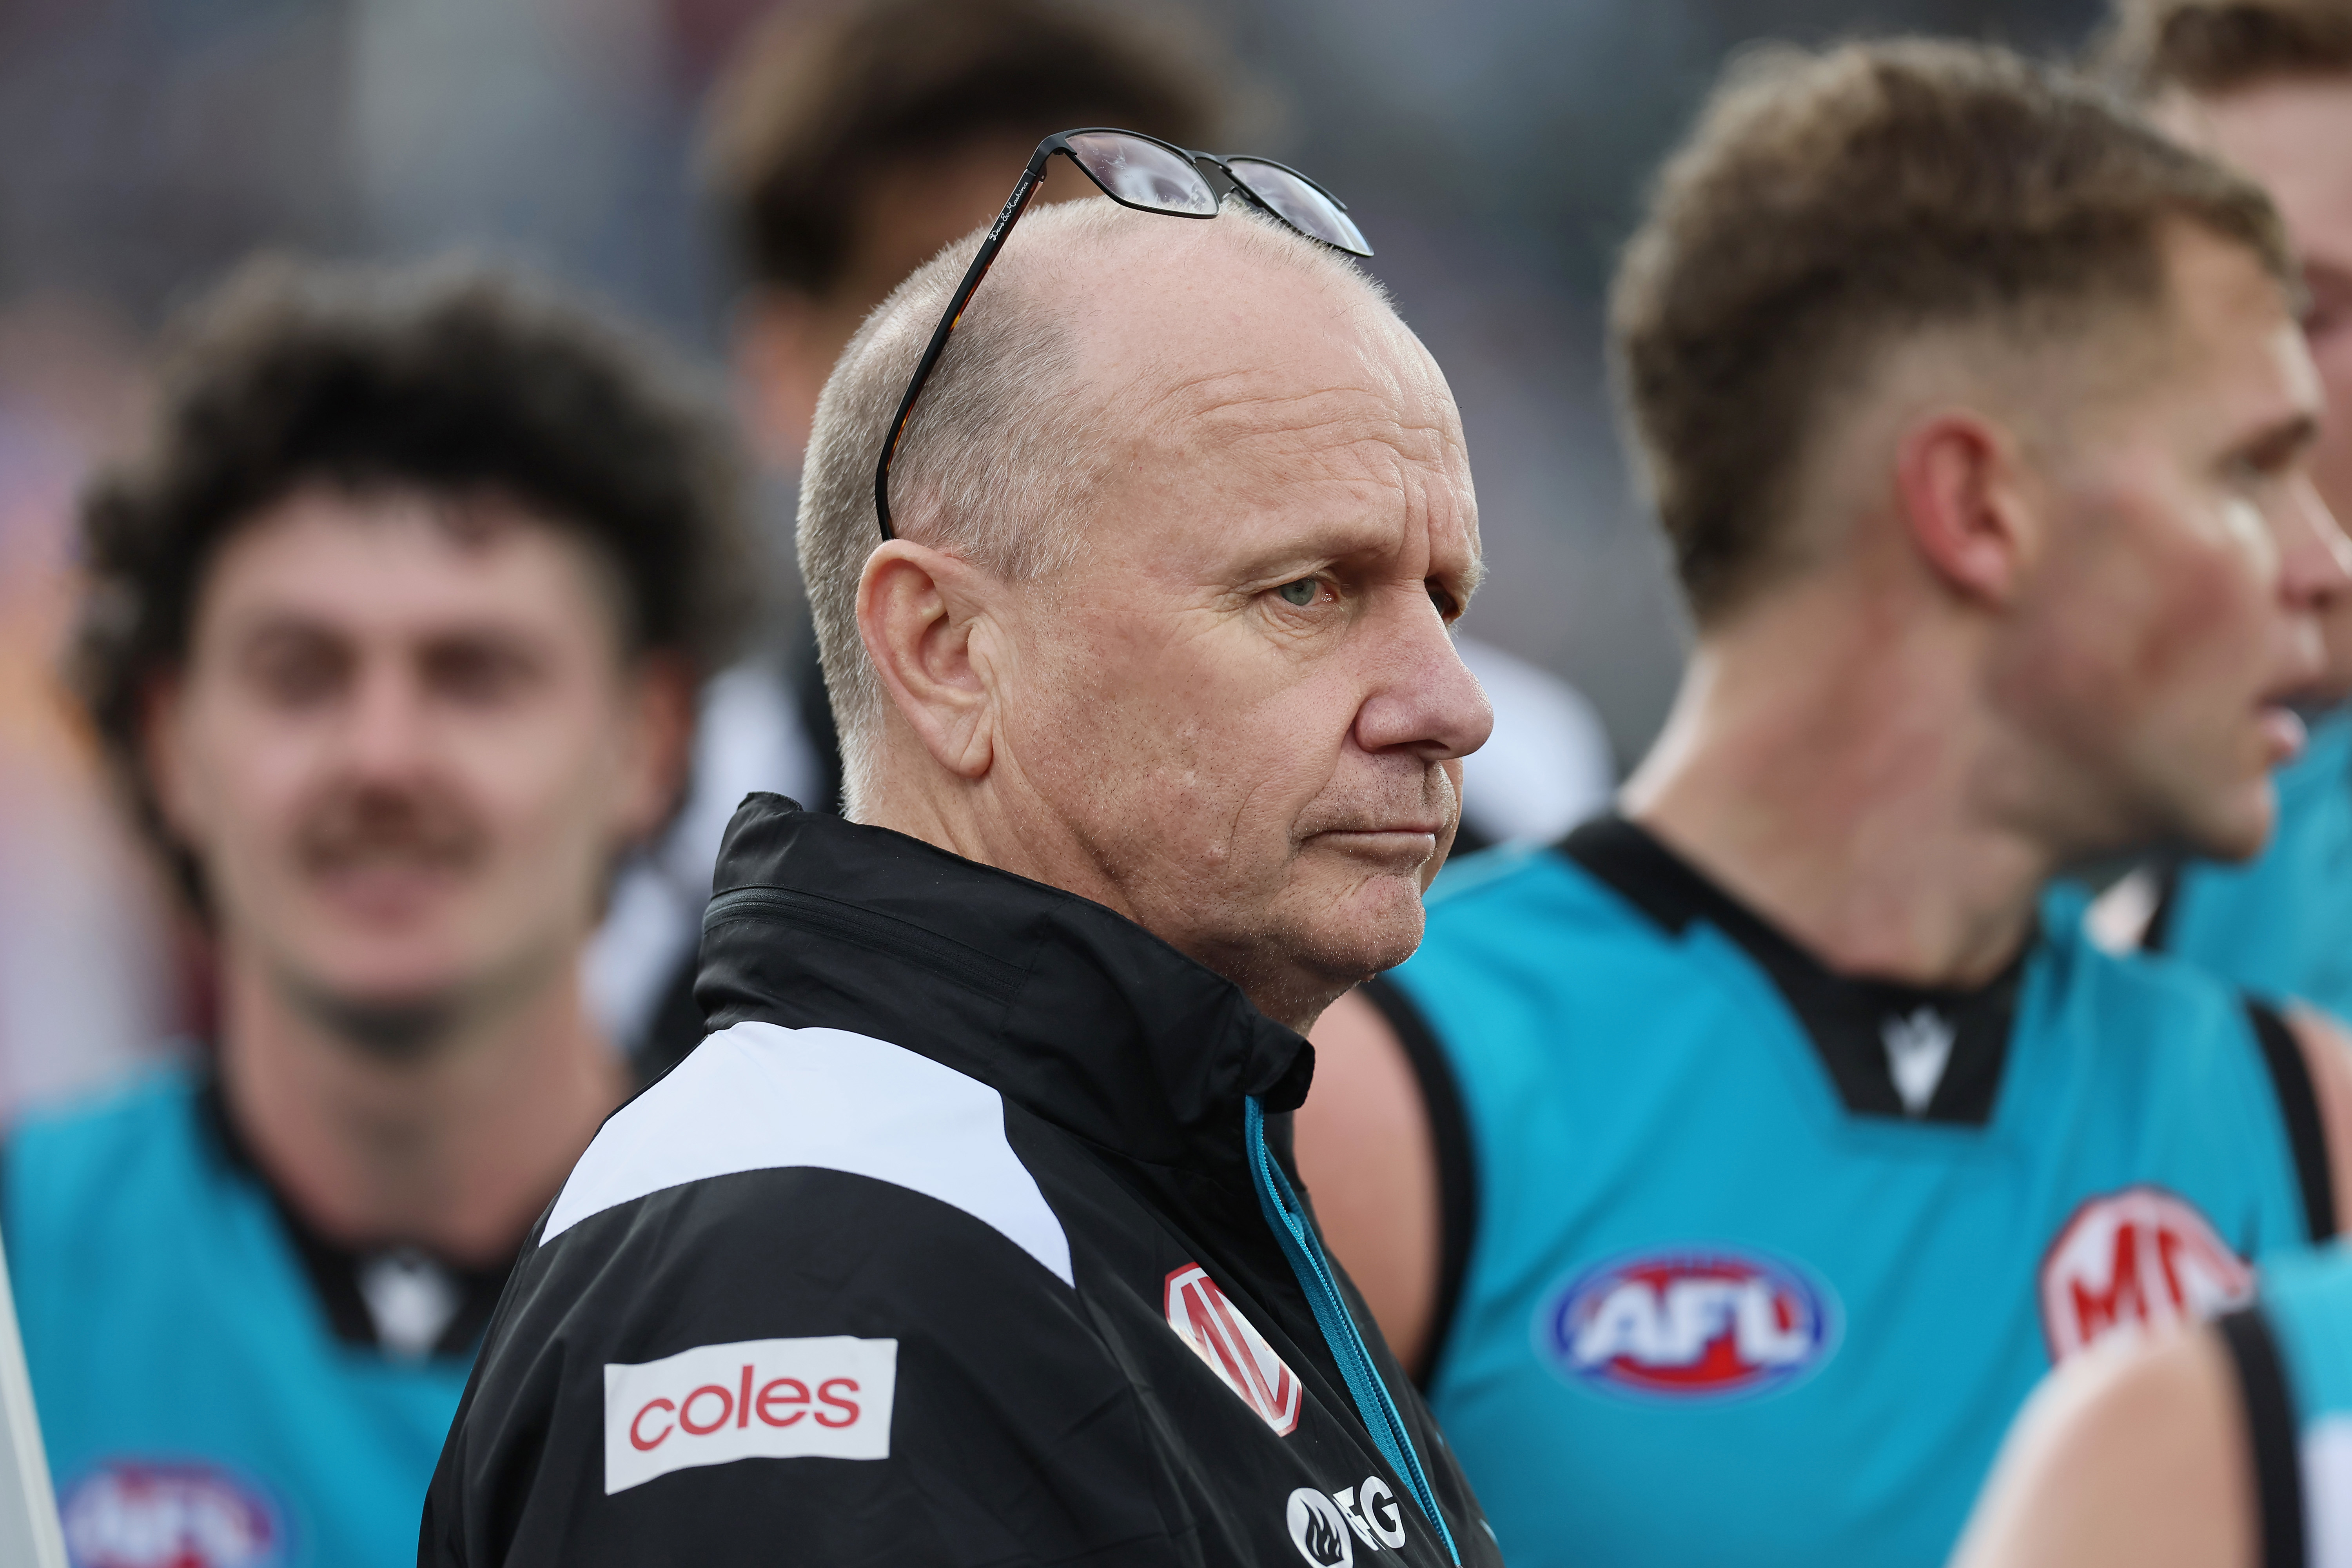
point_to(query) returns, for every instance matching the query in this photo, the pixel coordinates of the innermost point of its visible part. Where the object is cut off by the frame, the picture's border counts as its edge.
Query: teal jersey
(1765, 1258)
(2292, 1354)
(199, 1407)
(2281, 925)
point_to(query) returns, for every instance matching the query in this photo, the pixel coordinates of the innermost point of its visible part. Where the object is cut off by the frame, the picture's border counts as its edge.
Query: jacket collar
(1079, 1015)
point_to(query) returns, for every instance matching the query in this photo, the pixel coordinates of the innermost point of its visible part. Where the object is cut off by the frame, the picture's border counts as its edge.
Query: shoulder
(2125, 1455)
(2144, 997)
(66, 1149)
(793, 1217)
(761, 1099)
(1522, 904)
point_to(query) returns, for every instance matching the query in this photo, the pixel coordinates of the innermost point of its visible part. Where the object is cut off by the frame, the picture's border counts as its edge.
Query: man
(846, 148)
(393, 632)
(966, 1238)
(1977, 416)
(2267, 84)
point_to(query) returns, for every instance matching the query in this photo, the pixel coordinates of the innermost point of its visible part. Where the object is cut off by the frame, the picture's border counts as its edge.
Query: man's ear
(918, 611)
(660, 746)
(1960, 484)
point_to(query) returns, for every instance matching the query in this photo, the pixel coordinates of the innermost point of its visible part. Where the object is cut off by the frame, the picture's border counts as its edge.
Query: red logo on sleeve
(2135, 1259)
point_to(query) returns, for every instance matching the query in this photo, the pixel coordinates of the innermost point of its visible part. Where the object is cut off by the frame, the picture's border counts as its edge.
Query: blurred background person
(1979, 425)
(392, 632)
(2267, 84)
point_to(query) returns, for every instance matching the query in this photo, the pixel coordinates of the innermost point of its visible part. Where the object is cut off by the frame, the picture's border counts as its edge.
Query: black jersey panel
(1852, 1021)
(2298, 1099)
(1457, 1157)
(2271, 1424)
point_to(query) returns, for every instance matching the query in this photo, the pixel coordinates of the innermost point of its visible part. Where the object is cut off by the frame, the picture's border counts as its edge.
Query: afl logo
(1233, 1347)
(129, 1515)
(2134, 1260)
(1700, 1323)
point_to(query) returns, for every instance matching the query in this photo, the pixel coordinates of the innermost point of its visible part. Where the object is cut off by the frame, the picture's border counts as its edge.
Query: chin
(1378, 938)
(2238, 829)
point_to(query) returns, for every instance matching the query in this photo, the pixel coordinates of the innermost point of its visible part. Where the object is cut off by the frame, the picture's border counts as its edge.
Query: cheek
(544, 780)
(2215, 606)
(2331, 464)
(247, 770)
(2165, 602)
(1202, 737)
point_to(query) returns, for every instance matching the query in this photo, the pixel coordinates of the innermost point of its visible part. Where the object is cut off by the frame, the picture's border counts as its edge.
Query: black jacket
(944, 1249)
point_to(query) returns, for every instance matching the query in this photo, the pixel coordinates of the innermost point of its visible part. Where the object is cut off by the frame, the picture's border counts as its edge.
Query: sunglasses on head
(1150, 175)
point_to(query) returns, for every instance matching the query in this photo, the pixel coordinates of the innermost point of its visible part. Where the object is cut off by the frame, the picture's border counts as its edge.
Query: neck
(1835, 770)
(454, 1147)
(986, 823)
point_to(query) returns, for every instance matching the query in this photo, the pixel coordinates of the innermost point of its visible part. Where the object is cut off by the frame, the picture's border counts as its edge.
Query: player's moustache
(414, 824)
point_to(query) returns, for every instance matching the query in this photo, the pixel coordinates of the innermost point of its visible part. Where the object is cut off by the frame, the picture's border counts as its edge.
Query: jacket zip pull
(1304, 1249)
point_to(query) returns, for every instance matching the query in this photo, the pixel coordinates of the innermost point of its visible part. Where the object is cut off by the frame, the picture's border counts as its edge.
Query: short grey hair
(1001, 462)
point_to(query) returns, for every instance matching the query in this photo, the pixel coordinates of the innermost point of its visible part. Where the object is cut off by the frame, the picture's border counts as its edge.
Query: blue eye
(1301, 592)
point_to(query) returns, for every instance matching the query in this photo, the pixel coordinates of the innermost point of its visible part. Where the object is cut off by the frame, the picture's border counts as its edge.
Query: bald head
(1088, 320)
(1185, 518)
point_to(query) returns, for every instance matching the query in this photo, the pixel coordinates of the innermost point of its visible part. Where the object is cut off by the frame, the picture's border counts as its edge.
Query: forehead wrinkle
(1316, 425)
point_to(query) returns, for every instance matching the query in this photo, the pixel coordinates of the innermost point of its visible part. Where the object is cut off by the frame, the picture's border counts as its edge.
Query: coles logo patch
(2136, 1258)
(755, 1399)
(1693, 1323)
(125, 1514)
(1231, 1346)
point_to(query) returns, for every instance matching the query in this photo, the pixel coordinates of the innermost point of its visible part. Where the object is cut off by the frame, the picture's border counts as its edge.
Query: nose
(384, 734)
(2315, 557)
(1426, 702)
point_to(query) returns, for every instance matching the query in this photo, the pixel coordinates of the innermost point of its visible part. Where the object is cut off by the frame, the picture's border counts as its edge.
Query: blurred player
(2267, 84)
(1763, 1153)
(393, 632)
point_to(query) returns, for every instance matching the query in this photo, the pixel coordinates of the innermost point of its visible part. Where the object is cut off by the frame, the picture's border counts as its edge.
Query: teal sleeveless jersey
(198, 1410)
(2293, 1353)
(1764, 1259)
(2281, 925)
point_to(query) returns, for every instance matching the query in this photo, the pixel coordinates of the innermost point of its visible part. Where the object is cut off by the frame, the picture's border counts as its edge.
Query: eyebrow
(1340, 542)
(2281, 439)
(2338, 279)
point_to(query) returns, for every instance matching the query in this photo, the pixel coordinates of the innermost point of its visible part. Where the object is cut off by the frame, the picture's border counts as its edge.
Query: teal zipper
(1305, 1250)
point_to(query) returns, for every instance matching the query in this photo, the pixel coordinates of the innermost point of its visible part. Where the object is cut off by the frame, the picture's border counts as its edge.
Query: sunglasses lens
(1143, 174)
(1299, 203)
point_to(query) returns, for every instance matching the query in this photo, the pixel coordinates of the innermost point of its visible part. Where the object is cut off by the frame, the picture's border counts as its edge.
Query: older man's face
(1246, 703)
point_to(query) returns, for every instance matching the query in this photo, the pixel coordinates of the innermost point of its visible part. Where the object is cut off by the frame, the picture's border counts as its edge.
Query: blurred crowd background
(1494, 149)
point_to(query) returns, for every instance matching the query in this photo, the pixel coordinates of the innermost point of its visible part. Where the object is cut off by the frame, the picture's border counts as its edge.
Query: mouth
(383, 886)
(2283, 729)
(1406, 844)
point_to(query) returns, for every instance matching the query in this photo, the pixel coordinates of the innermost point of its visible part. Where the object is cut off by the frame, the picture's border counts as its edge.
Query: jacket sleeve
(795, 1365)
